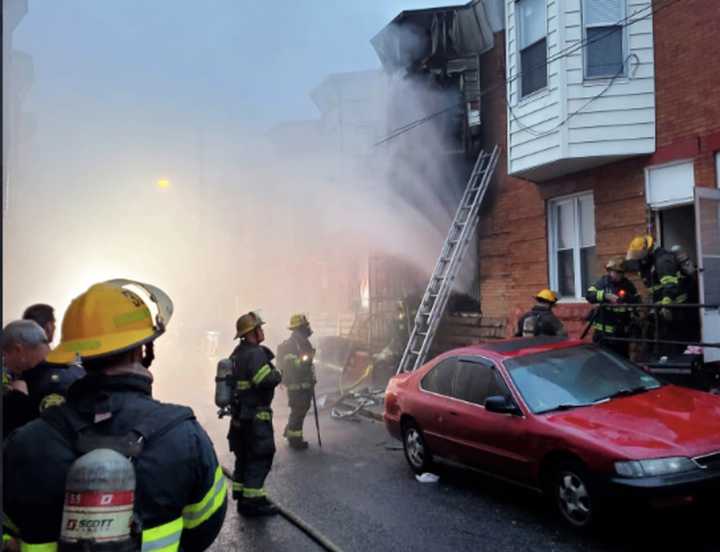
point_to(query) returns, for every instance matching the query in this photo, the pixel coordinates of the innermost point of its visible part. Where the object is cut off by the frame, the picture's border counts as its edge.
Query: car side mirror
(501, 405)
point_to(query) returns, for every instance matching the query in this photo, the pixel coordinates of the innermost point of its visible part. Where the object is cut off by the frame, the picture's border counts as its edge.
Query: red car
(560, 416)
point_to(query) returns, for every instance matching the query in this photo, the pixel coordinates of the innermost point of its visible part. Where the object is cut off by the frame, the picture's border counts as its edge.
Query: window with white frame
(604, 36)
(532, 37)
(571, 229)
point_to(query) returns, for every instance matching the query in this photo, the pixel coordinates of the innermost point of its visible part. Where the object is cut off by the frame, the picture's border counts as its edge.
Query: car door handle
(453, 413)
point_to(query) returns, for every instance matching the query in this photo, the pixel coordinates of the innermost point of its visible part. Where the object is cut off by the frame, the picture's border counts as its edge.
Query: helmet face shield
(162, 301)
(111, 317)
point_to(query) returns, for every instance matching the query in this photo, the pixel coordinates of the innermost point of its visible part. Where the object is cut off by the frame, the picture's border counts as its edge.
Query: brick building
(609, 119)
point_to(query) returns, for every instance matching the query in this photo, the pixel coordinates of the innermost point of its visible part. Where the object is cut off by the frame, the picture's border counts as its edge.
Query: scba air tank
(223, 383)
(98, 510)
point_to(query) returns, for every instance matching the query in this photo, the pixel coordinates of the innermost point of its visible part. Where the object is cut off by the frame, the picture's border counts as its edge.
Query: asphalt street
(359, 492)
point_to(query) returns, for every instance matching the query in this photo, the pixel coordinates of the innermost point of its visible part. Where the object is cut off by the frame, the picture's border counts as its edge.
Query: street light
(163, 183)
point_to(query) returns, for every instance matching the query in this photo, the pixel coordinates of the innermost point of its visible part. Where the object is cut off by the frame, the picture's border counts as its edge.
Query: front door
(707, 222)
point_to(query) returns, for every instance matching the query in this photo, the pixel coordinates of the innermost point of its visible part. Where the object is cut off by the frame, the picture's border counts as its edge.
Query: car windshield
(575, 377)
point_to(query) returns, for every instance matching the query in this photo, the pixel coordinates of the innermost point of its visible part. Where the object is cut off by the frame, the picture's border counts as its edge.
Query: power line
(566, 52)
(540, 134)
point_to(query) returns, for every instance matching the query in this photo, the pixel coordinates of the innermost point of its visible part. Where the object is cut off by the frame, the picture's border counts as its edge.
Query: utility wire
(540, 134)
(566, 52)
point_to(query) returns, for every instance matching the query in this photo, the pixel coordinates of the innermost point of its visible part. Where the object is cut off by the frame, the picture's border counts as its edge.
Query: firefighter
(24, 345)
(180, 493)
(386, 362)
(251, 435)
(46, 384)
(540, 320)
(296, 357)
(44, 315)
(614, 289)
(668, 276)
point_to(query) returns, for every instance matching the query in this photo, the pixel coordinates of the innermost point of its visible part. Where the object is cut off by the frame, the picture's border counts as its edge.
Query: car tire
(417, 453)
(571, 494)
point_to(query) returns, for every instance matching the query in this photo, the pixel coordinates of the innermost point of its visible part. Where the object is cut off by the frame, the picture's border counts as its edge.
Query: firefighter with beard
(296, 357)
(251, 434)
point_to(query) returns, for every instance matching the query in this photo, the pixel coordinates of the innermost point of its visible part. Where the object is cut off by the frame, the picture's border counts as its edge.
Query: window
(604, 36)
(475, 381)
(531, 23)
(472, 382)
(440, 378)
(571, 228)
(576, 376)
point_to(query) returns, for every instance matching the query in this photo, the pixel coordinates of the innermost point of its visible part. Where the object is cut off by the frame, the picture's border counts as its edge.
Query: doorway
(676, 226)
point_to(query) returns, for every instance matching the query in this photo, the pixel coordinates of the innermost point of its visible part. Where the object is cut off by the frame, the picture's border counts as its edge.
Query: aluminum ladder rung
(449, 262)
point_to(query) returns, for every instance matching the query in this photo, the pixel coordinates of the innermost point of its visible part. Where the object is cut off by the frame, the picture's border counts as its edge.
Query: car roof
(511, 348)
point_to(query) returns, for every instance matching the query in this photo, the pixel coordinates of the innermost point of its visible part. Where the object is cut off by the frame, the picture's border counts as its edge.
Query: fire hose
(311, 532)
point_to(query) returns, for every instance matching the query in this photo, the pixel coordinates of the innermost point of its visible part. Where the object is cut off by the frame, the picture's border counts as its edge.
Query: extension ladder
(448, 264)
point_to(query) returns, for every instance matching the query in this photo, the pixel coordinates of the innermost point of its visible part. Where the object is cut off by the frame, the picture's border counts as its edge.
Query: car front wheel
(416, 451)
(571, 493)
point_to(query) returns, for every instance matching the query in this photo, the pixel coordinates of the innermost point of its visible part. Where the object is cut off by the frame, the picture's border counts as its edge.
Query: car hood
(669, 421)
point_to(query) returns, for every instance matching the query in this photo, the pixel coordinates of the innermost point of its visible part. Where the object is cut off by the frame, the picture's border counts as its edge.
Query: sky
(242, 62)
(129, 92)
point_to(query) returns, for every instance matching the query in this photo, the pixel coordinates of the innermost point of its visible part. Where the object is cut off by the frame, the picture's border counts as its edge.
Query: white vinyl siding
(540, 110)
(576, 118)
(571, 229)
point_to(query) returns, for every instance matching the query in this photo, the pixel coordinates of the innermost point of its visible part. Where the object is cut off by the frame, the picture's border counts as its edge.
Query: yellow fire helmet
(298, 321)
(109, 318)
(547, 295)
(639, 247)
(247, 323)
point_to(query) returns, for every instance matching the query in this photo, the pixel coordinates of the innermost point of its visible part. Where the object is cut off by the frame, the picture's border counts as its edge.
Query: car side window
(498, 387)
(473, 381)
(439, 379)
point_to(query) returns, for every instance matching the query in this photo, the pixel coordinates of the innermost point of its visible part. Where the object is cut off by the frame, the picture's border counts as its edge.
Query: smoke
(281, 221)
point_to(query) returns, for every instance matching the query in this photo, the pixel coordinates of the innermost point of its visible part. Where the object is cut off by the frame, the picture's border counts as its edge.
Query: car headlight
(654, 467)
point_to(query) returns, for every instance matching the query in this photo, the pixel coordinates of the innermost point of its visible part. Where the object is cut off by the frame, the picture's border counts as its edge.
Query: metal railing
(599, 316)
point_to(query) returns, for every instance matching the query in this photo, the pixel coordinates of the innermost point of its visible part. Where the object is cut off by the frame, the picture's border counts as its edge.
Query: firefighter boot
(256, 507)
(297, 443)
(295, 438)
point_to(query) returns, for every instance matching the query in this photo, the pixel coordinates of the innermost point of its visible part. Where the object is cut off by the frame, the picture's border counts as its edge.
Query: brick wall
(512, 234)
(512, 244)
(687, 84)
